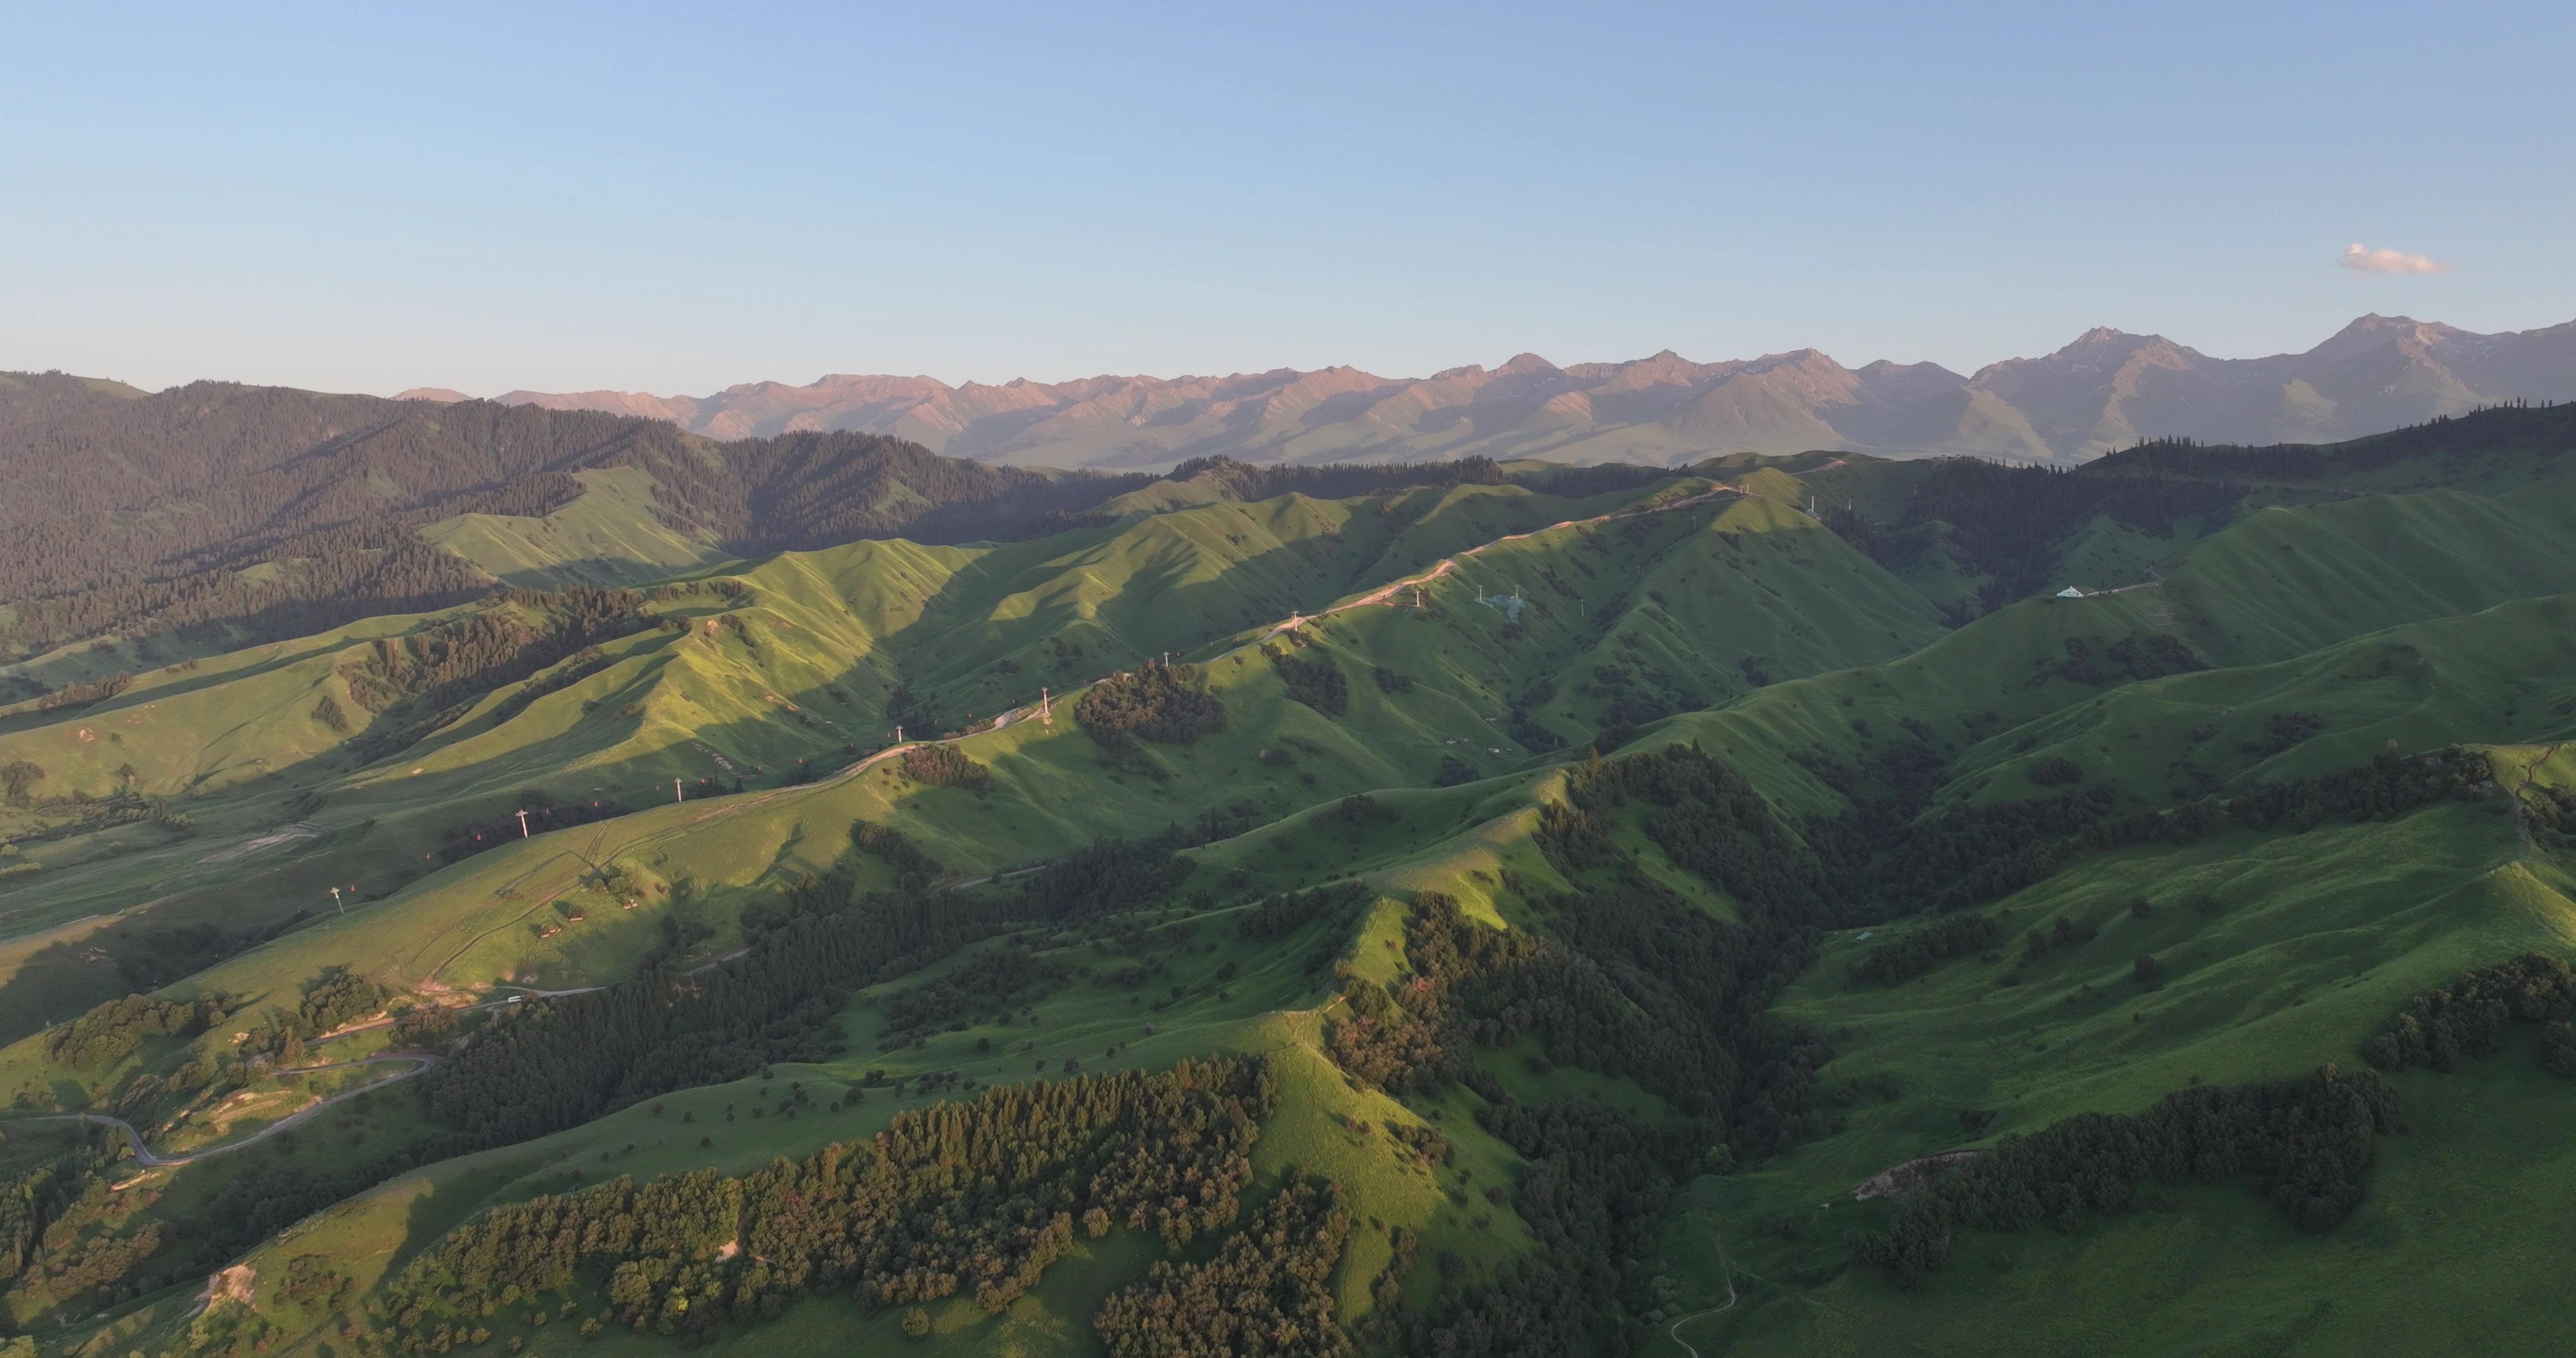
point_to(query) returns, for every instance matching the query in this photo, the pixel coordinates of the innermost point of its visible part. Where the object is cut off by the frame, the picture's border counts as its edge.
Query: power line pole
(675, 791)
(1046, 714)
(523, 825)
(335, 900)
(898, 733)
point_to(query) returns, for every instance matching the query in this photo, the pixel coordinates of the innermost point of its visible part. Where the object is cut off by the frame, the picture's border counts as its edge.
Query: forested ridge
(2302, 1144)
(135, 512)
(978, 1197)
(145, 509)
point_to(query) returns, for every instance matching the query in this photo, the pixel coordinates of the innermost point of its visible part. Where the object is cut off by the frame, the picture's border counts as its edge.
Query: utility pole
(335, 900)
(1046, 714)
(898, 733)
(675, 791)
(523, 825)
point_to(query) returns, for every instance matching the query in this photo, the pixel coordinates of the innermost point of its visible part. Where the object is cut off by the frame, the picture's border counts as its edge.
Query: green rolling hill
(1742, 907)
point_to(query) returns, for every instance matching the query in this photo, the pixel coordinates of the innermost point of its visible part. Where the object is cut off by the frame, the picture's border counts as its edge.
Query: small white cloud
(2361, 258)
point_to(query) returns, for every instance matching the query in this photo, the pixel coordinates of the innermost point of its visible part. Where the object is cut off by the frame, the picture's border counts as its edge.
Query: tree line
(1881, 858)
(561, 1061)
(1155, 701)
(2303, 1144)
(1627, 979)
(148, 511)
(974, 1197)
(331, 490)
(2469, 1017)
(1267, 1291)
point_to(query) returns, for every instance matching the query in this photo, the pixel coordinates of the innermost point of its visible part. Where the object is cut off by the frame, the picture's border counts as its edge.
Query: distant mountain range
(2106, 390)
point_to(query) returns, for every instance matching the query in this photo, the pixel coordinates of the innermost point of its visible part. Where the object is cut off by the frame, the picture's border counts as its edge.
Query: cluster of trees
(2388, 786)
(2138, 656)
(2549, 813)
(2055, 771)
(976, 1197)
(2469, 1017)
(18, 779)
(1634, 982)
(1881, 858)
(1918, 951)
(1287, 912)
(440, 665)
(996, 983)
(942, 765)
(328, 487)
(2008, 521)
(1863, 535)
(1154, 702)
(43, 1207)
(1318, 683)
(1593, 1196)
(330, 1000)
(69, 1242)
(109, 1031)
(558, 1062)
(330, 491)
(79, 695)
(914, 868)
(1106, 875)
(580, 665)
(1267, 1290)
(2303, 1142)
(913, 711)
(2281, 730)
(2546, 428)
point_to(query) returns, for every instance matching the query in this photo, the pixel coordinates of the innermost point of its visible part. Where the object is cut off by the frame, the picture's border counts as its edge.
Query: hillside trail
(1727, 1268)
(145, 1156)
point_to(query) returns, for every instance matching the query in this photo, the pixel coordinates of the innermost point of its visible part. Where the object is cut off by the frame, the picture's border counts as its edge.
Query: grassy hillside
(1606, 886)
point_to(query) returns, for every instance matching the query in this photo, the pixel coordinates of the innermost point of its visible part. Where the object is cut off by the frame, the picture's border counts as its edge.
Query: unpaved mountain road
(145, 1156)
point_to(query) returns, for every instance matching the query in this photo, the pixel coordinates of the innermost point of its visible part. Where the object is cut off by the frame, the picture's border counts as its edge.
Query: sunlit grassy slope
(2381, 612)
(1636, 615)
(606, 535)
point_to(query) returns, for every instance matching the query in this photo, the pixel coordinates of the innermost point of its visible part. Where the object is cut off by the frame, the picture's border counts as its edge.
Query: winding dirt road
(1674, 1332)
(145, 1156)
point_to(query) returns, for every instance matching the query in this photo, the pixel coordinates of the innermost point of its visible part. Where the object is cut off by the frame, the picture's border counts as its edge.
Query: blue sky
(678, 198)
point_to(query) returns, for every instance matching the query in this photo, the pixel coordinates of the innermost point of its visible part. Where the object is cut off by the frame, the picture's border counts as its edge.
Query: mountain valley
(813, 892)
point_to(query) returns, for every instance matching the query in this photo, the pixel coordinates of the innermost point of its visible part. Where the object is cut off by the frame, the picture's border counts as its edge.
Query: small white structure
(2070, 592)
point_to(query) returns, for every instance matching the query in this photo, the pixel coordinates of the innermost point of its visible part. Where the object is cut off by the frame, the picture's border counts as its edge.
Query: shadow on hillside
(952, 651)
